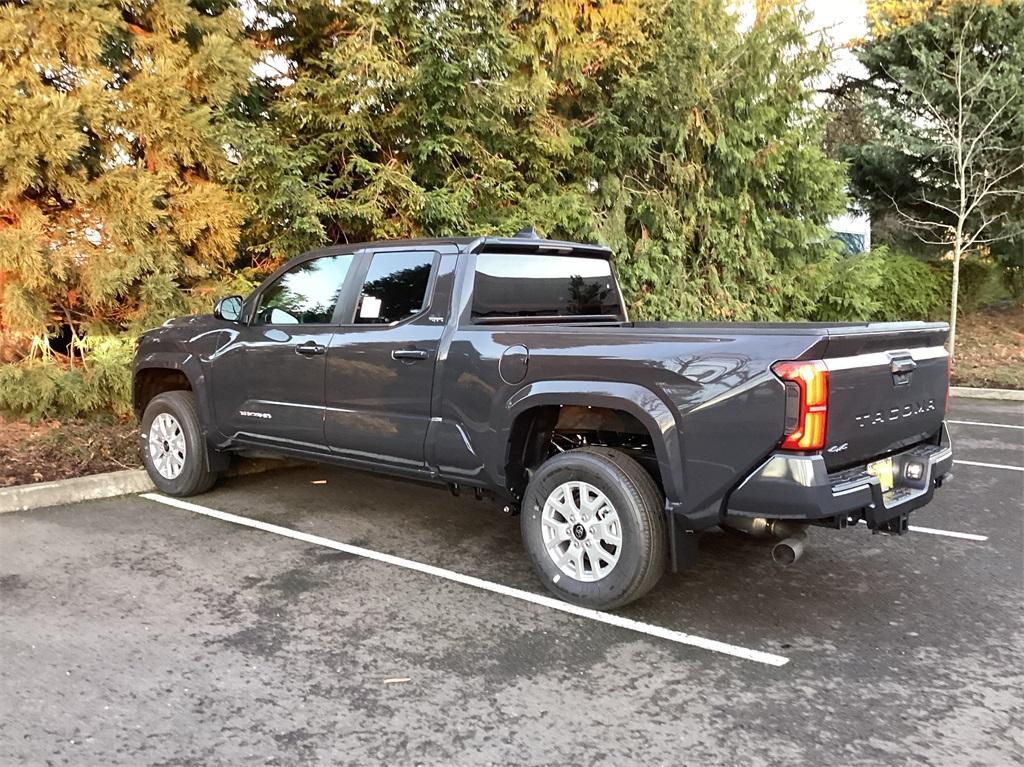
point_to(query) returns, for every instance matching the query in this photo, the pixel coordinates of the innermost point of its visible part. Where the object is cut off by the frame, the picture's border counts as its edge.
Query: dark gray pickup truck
(507, 367)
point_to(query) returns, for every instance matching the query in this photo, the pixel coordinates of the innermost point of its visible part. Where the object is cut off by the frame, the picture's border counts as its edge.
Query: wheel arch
(156, 376)
(534, 411)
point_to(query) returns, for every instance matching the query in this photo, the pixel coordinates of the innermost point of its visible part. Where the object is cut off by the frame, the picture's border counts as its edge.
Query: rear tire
(576, 505)
(173, 446)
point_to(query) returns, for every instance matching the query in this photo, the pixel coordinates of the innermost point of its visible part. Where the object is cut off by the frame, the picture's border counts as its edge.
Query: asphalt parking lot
(133, 632)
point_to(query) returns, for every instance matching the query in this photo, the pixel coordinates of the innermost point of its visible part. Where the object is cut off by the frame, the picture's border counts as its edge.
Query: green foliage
(396, 119)
(882, 285)
(112, 194)
(45, 388)
(983, 283)
(690, 146)
(714, 188)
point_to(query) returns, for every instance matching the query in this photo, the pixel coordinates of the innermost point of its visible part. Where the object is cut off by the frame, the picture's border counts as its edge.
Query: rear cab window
(510, 287)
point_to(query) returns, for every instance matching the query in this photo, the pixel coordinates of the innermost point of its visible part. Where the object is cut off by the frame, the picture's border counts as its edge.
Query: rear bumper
(799, 488)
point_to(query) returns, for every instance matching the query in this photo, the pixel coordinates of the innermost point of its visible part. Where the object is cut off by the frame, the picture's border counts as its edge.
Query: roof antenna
(528, 233)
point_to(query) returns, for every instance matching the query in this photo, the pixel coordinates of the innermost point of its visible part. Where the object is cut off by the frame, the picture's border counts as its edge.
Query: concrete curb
(61, 491)
(1016, 395)
(108, 485)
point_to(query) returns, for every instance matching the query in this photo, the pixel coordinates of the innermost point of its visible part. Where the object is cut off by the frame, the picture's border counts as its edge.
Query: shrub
(983, 283)
(49, 387)
(882, 285)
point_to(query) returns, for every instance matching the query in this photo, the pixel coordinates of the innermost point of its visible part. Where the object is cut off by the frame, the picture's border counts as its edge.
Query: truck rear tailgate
(888, 394)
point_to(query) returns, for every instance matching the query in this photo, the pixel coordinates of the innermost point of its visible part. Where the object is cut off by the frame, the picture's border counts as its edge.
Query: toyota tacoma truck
(508, 367)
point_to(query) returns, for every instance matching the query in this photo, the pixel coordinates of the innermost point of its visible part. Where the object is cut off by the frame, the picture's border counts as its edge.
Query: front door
(269, 381)
(380, 368)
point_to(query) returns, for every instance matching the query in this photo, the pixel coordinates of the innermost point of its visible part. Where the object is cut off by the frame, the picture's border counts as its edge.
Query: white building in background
(853, 230)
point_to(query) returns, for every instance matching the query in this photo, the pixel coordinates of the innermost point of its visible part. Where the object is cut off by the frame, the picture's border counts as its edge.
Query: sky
(840, 20)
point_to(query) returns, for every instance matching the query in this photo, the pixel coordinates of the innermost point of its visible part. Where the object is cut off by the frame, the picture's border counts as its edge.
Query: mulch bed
(50, 450)
(990, 349)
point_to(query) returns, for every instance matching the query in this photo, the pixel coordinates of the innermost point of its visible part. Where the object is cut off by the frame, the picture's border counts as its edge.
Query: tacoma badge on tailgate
(895, 414)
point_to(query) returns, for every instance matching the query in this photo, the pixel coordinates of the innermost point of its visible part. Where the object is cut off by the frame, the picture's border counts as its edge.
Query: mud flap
(683, 545)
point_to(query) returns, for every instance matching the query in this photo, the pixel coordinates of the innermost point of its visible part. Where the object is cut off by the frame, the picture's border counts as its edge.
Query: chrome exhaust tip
(789, 551)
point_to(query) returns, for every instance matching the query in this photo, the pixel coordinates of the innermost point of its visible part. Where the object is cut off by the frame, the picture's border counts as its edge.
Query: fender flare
(642, 403)
(186, 364)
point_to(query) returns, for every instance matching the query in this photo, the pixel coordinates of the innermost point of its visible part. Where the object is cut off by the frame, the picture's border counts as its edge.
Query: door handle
(409, 354)
(903, 365)
(310, 349)
(901, 368)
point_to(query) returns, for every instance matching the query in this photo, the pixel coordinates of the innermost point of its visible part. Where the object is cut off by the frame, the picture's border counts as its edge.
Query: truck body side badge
(255, 414)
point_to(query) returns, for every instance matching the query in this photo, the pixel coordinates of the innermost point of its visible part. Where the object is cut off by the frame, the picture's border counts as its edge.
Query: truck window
(306, 294)
(543, 286)
(395, 287)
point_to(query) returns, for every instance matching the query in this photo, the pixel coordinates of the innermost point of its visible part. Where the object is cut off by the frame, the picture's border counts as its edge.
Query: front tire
(173, 447)
(593, 523)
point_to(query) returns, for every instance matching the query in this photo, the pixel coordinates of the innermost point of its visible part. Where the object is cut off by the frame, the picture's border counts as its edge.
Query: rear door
(380, 366)
(269, 381)
(883, 401)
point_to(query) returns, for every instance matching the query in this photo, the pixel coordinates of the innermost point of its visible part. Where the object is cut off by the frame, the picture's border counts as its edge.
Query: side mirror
(229, 309)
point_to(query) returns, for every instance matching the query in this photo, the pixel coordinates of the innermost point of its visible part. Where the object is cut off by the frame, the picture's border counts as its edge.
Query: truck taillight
(806, 403)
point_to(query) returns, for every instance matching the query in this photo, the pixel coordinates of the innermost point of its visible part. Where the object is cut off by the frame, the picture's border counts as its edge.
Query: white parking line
(468, 580)
(946, 533)
(982, 423)
(990, 465)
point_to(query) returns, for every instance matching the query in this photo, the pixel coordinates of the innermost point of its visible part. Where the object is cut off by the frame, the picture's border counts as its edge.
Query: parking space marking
(989, 465)
(609, 619)
(946, 533)
(982, 423)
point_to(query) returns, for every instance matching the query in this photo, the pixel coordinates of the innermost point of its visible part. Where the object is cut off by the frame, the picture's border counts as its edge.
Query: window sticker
(370, 308)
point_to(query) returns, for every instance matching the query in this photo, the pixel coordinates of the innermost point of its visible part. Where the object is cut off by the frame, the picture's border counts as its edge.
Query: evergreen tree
(396, 118)
(704, 150)
(112, 160)
(659, 126)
